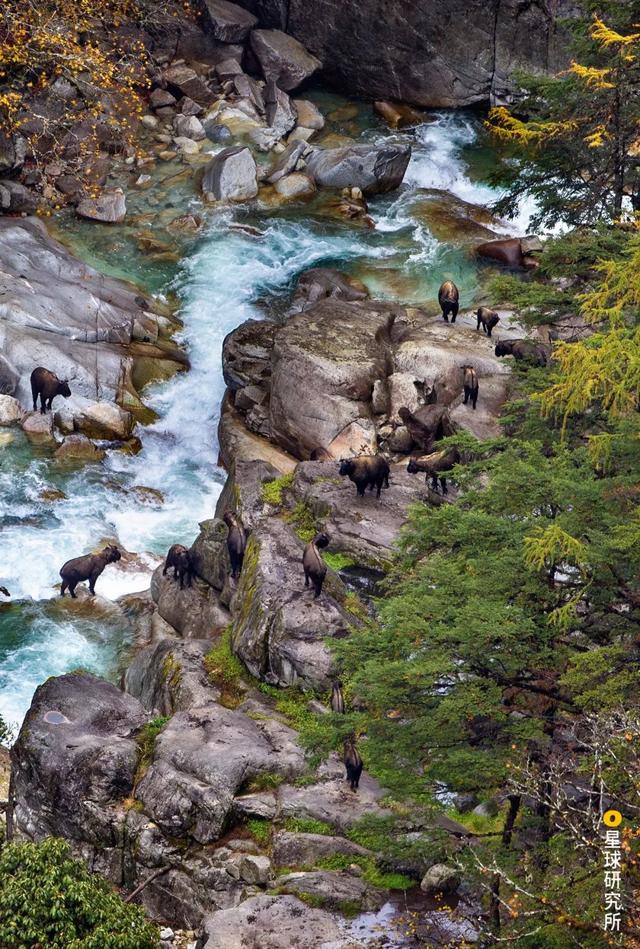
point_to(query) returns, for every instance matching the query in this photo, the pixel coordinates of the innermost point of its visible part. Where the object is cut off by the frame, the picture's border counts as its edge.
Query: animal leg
(72, 589)
(63, 587)
(306, 578)
(443, 482)
(42, 403)
(466, 395)
(475, 398)
(434, 483)
(164, 572)
(379, 485)
(318, 588)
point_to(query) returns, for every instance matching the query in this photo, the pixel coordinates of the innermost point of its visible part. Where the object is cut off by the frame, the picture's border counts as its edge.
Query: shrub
(49, 899)
(272, 491)
(225, 670)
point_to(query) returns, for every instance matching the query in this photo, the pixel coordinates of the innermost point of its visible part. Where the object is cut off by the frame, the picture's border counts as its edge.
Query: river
(221, 278)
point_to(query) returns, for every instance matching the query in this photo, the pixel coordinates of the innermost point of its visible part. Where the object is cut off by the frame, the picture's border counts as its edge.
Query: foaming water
(50, 514)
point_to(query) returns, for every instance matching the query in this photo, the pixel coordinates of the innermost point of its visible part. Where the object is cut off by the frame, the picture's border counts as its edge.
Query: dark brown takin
(435, 465)
(46, 385)
(179, 557)
(366, 471)
(470, 385)
(236, 542)
(487, 319)
(448, 298)
(352, 763)
(88, 568)
(315, 569)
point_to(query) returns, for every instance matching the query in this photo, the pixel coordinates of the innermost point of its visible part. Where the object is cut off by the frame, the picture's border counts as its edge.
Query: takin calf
(353, 763)
(236, 542)
(315, 569)
(448, 298)
(487, 319)
(434, 465)
(47, 385)
(366, 471)
(180, 559)
(470, 385)
(525, 350)
(88, 568)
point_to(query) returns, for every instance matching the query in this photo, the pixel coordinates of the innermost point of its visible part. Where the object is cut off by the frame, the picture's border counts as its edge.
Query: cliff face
(447, 54)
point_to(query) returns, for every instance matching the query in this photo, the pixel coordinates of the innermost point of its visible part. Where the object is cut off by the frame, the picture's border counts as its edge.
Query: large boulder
(507, 251)
(202, 759)
(10, 411)
(104, 420)
(375, 169)
(58, 312)
(305, 850)
(282, 58)
(75, 757)
(278, 629)
(273, 922)
(170, 676)
(324, 364)
(228, 22)
(181, 80)
(280, 112)
(16, 198)
(332, 890)
(436, 55)
(195, 611)
(231, 175)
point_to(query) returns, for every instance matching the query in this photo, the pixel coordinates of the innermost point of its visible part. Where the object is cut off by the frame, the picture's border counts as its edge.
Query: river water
(221, 278)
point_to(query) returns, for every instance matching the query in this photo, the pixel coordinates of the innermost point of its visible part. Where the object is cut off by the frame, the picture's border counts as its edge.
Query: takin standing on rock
(487, 319)
(470, 385)
(366, 471)
(337, 698)
(449, 300)
(525, 350)
(353, 763)
(236, 542)
(46, 384)
(88, 568)
(434, 465)
(180, 559)
(426, 424)
(315, 569)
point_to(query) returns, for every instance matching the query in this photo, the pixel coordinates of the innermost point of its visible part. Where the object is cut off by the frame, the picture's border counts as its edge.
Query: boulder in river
(189, 126)
(109, 207)
(103, 420)
(295, 185)
(280, 111)
(282, 58)
(228, 22)
(507, 251)
(375, 169)
(309, 115)
(231, 175)
(79, 448)
(398, 114)
(10, 410)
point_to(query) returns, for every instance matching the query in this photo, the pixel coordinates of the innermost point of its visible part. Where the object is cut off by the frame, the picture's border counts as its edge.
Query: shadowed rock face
(452, 53)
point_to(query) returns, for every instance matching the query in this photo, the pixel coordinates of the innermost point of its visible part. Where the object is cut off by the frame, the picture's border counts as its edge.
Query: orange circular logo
(612, 818)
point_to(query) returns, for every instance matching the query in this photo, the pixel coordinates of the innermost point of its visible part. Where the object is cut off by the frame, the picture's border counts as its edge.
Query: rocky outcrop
(281, 921)
(229, 23)
(434, 55)
(282, 58)
(57, 312)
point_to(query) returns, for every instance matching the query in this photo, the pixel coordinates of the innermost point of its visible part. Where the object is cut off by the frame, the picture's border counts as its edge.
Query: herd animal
(88, 568)
(46, 386)
(314, 567)
(179, 557)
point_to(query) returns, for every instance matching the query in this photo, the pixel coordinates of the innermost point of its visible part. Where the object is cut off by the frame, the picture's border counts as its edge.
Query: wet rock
(75, 757)
(278, 629)
(186, 146)
(281, 921)
(104, 420)
(202, 759)
(304, 850)
(189, 107)
(440, 879)
(189, 126)
(280, 112)
(209, 553)
(398, 114)
(195, 612)
(282, 58)
(10, 411)
(79, 448)
(507, 252)
(333, 890)
(322, 282)
(375, 169)
(149, 121)
(231, 175)
(450, 219)
(109, 207)
(228, 22)
(38, 426)
(170, 676)
(296, 185)
(16, 199)
(238, 443)
(309, 115)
